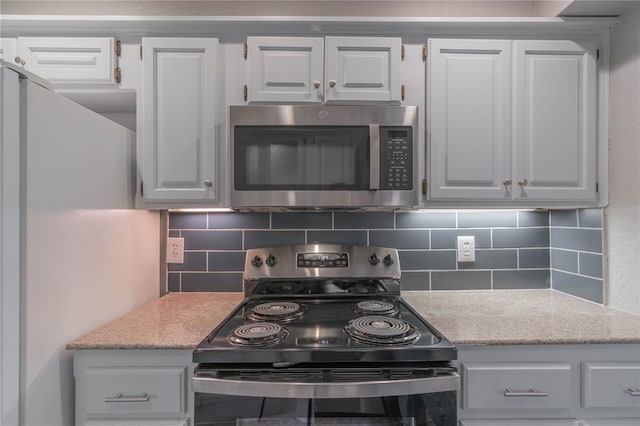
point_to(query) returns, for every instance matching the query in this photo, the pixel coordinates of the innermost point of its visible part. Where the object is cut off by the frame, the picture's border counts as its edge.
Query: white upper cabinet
(512, 121)
(469, 86)
(362, 69)
(178, 120)
(285, 69)
(71, 60)
(349, 70)
(555, 120)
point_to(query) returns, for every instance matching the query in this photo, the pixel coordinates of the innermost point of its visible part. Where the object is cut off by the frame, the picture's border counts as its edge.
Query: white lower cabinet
(538, 385)
(559, 385)
(133, 387)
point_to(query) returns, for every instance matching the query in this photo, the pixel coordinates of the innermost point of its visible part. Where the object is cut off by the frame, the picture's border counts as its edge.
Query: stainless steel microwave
(323, 156)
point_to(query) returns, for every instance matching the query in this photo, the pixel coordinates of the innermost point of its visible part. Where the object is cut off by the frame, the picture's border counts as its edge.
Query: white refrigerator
(74, 253)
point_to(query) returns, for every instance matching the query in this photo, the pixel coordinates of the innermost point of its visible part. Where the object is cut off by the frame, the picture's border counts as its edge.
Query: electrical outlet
(466, 249)
(175, 250)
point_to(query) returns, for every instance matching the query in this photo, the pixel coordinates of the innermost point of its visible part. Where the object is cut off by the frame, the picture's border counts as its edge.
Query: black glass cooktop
(291, 330)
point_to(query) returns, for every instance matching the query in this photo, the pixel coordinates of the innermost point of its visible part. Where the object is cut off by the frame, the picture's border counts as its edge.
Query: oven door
(399, 402)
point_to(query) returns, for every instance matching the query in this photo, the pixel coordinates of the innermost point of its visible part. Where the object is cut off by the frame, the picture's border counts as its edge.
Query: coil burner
(376, 307)
(379, 330)
(276, 311)
(258, 334)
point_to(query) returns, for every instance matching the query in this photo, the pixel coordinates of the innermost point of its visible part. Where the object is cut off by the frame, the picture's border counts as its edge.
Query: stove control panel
(327, 261)
(323, 260)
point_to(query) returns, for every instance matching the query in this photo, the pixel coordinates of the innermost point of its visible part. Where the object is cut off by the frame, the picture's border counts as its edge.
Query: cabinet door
(555, 120)
(363, 69)
(8, 49)
(70, 60)
(177, 133)
(285, 69)
(469, 101)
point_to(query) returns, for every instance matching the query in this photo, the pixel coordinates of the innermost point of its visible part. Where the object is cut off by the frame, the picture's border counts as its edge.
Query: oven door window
(301, 158)
(434, 409)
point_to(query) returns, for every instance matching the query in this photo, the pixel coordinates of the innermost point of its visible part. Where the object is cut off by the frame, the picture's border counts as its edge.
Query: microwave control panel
(396, 158)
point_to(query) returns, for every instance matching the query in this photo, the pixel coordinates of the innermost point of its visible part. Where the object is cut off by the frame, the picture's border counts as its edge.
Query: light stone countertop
(174, 321)
(517, 317)
(479, 317)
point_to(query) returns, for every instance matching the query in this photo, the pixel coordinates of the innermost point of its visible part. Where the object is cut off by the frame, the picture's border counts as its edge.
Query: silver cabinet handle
(208, 183)
(507, 182)
(634, 391)
(316, 84)
(523, 182)
(332, 83)
(120, 397)
(20, 61)
(532, 392)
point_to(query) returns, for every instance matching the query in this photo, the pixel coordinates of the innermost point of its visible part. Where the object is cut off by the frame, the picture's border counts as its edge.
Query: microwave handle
(374, 155)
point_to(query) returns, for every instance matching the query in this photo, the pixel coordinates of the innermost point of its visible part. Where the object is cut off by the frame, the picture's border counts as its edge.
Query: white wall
(622, 217)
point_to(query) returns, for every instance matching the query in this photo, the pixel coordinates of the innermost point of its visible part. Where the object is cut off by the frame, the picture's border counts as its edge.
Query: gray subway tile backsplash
(321, 220)
(584, 287)
(533, 258)
(223, 261)
(580, 239)
(493, 259)
(188, 221)
(338, 237)
(211, 281)
(514, 249)
(400, 238)
(193, 261)
(212, 240)
(461, 280)
(238, 220)
(426, 220)
(487, 219)
(521, 279)
(590, 264)
(364, 220)
(564, 260)
(520, 237)
(527, 218)
(415, 280)
(590, 218)
(567, 218)
(255, 239)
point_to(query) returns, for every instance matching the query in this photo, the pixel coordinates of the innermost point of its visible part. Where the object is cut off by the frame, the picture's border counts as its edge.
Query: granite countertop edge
(179, 321)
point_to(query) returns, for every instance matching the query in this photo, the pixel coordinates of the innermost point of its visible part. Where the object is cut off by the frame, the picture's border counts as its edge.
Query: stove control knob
(388, 260)
(257, 261)
(374, 259)
(271, 260)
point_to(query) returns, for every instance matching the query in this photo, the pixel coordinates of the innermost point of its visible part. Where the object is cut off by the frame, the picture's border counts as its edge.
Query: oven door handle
(449, 382)
(374, 156)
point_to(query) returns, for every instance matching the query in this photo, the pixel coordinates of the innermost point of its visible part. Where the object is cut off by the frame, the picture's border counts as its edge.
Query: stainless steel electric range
(324, 337)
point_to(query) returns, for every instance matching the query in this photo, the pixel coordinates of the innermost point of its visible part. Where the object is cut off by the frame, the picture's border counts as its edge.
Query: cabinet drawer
(516, 385)
(152, 390)
(611, 384)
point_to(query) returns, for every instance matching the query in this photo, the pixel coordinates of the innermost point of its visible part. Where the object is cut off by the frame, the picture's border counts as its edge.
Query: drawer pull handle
(120, 397)
(634, 391)
(532, 392)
